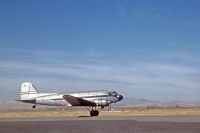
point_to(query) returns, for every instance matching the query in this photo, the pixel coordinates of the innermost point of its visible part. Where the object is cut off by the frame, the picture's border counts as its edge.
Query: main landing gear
(93, 112)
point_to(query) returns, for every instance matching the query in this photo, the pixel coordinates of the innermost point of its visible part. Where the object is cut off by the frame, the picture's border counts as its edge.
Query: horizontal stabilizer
(28, 101)
(76, 101)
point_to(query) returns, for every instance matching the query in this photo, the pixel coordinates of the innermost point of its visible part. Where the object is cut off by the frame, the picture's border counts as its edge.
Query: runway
(99, 126)
(118, 121)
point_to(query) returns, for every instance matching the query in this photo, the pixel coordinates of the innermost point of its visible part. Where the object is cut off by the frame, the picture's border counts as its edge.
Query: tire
(92, 113)
(96, 112)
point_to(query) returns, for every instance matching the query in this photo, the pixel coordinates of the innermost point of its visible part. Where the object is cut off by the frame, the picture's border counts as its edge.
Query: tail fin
(28, 91)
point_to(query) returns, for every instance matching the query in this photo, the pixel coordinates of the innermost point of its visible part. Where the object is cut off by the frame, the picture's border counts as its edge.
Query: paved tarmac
(99, 126)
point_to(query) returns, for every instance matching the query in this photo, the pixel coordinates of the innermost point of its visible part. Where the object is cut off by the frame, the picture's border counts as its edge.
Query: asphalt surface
(99, 126)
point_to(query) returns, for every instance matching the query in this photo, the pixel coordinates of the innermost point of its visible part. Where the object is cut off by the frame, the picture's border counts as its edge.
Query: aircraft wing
(76, 101)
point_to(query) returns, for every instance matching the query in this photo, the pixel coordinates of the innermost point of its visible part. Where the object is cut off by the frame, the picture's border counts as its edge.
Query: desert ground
(145, 114)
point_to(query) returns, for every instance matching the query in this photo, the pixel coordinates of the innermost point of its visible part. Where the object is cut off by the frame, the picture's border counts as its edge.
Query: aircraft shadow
(84, 116)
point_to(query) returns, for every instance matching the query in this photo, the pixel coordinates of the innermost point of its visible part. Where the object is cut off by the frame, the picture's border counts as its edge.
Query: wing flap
(76, 101)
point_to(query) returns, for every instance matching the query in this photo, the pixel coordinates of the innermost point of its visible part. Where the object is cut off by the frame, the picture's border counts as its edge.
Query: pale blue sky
(141, 48)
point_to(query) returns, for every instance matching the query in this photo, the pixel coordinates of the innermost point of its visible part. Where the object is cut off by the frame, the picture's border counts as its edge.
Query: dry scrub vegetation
(40, 113)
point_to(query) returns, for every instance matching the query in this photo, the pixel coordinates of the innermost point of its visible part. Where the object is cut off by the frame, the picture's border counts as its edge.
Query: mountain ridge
(126, 102)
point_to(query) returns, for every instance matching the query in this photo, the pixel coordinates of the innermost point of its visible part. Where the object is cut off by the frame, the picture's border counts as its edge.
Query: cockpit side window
(113, 93)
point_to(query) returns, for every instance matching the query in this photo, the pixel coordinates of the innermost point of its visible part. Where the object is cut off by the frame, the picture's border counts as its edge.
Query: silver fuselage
(101, 98)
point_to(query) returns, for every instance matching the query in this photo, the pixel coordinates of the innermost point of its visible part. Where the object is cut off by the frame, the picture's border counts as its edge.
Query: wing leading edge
(76, 101)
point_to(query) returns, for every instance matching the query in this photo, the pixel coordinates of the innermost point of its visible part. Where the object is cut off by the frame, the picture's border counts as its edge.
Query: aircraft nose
(120, 97)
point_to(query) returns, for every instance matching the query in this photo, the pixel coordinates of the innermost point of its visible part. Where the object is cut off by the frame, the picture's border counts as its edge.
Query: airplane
(90, 99)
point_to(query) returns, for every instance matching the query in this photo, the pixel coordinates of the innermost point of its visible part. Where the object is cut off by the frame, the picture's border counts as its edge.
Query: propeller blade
(109, 107)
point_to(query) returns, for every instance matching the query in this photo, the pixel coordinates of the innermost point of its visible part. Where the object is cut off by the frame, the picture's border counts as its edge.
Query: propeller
(109, 107)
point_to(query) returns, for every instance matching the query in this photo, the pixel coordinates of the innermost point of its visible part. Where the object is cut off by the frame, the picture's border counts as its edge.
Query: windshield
(113, 93)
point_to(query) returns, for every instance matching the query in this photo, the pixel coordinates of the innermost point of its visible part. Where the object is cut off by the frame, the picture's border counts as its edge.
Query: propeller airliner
(91, 99)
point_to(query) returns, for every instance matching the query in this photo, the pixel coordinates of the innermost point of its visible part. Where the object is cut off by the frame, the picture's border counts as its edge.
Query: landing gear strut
(93, 112)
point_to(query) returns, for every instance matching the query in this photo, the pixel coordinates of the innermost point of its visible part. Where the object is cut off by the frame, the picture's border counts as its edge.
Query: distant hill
(15, 105)
(136, 102)
(12, 104)
(126, 102)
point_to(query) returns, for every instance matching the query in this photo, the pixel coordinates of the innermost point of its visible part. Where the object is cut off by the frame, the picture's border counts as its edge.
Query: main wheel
(96, 112)
(92, 113)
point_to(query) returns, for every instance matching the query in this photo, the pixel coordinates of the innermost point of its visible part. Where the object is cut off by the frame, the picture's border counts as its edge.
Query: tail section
(28, 91)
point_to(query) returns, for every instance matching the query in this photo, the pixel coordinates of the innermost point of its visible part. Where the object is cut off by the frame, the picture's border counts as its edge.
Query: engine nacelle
(102, 102)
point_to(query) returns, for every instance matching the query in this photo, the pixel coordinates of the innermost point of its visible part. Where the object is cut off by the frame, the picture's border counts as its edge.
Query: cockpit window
(113, 93)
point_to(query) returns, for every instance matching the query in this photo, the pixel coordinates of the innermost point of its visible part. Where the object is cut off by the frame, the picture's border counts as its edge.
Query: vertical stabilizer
(28, 91)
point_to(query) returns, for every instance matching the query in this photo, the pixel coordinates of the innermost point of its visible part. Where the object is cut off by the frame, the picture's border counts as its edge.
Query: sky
(140, 48)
